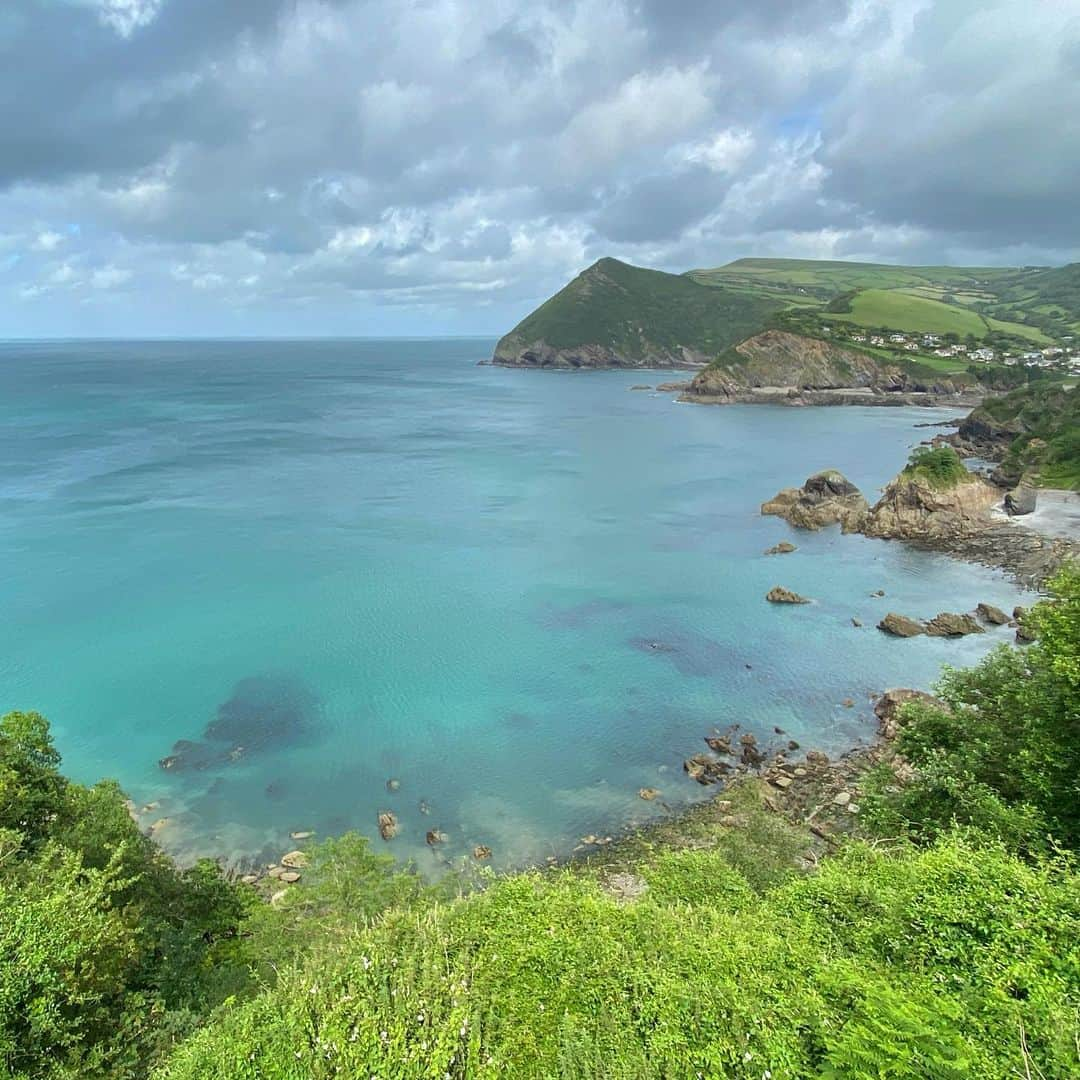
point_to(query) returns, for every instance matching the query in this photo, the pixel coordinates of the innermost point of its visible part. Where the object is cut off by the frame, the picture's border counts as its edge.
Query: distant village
(1064, 357)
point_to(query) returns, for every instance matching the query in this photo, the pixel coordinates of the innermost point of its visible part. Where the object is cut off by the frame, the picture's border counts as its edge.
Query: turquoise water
(364, 560)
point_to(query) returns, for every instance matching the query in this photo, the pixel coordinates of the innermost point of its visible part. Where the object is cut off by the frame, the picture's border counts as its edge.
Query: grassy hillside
(636, 312)
(1033, 305)
(1044, 425)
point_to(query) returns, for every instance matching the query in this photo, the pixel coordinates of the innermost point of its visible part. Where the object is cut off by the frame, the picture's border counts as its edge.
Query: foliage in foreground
(942, 962)
(1004, 753)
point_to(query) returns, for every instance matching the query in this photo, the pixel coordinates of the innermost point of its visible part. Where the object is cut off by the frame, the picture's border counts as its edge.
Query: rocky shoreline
(965, 520)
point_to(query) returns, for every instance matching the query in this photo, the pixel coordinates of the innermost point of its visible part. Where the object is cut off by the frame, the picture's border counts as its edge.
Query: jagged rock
(435, 836)
(388, 825)
(950, 624)
(704, 769)
(1024, 636)
(481, 851)
(887, 709)
(901, 626)
(779, 595)
(719, 744)
(992, 615)
(817, 758)
(912, 508)
(648, 793)
(783, 548)
(781, 781)
(827, 498)
(1021, 500)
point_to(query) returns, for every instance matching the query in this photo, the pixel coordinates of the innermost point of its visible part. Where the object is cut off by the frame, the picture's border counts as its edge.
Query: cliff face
(783, 368)
(912, 508)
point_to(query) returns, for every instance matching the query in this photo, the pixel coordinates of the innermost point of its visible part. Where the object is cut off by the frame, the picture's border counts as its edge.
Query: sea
(286, 586)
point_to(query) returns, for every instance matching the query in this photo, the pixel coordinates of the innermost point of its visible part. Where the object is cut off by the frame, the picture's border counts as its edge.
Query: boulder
(704, 769)
(901, 626)
(435, 836)
(817, 758)
(648, 793)
(718, 744)
(779, 595)
(481, 851)
(1021, 500)
(888, 706)
(295, 860)
(827, 498)
(290, 877)
(388, 825)
(950, 624)
(783, 548)
(992, 615)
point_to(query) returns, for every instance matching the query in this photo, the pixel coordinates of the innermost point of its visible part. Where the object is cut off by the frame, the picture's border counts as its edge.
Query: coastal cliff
(933, 503)
(779, 367)
(614, 315)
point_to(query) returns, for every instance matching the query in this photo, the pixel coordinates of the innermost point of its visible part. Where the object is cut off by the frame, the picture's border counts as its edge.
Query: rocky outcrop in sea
(827, 498)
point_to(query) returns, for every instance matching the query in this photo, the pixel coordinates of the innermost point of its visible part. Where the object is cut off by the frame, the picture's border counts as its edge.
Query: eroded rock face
(888, 706)
(827, 498)
(950, 624)
(901, 626)
(913, 509)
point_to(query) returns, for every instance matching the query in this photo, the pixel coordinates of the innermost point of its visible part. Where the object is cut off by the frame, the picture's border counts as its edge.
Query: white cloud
(110, 277)
(126, 16)
(724, 152)
(47, 241)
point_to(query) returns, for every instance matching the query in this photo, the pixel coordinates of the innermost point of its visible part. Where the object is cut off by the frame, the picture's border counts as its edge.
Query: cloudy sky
(304, 167)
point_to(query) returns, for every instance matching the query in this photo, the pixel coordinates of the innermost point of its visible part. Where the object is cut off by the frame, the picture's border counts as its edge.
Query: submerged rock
(783, 548)
(779, 595)
(393, 784)
(950, 624)
(435, 836)
(648, 793)
(481, 851)
(901, 626)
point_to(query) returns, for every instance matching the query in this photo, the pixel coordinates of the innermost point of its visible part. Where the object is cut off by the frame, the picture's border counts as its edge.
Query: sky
(428, 167)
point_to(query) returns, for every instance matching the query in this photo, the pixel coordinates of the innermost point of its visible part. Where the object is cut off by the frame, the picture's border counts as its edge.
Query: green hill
(1039, 427)
(617, 315)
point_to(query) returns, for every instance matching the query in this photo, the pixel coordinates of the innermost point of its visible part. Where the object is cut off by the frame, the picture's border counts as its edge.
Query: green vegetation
(638, 313)
(937, 941)
(1042, 424)
(940, 466)
(902, 311)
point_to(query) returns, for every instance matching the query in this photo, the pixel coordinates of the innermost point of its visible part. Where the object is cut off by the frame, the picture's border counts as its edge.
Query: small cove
(362, 560)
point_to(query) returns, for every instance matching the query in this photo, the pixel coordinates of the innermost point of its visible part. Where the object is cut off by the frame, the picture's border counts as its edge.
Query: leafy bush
(1004, 755)
(941, 466)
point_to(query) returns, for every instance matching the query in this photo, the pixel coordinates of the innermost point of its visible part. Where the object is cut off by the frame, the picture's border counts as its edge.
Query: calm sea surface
(524, 595)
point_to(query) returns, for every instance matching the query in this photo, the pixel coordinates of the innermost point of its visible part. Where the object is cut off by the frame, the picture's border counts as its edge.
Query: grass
(902, 311)
(637, 312)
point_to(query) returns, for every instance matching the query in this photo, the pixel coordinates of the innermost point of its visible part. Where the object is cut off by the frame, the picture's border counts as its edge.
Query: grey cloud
(430, 152)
